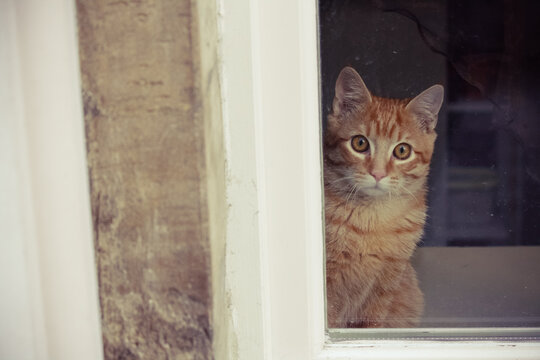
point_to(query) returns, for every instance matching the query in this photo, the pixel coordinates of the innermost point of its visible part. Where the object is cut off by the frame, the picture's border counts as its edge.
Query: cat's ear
(426, 107)
(351, 92)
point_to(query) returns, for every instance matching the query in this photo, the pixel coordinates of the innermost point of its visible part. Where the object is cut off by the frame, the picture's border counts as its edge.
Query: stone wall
(145, 144)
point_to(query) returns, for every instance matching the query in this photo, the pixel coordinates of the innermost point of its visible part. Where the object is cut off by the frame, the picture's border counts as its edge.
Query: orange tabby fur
(375, 204)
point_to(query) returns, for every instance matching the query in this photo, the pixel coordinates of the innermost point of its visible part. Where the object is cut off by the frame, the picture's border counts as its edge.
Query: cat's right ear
(426, 107)
(351, 92)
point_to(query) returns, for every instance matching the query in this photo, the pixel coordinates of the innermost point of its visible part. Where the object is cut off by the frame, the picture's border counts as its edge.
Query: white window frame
(274, 278)
(49, 303)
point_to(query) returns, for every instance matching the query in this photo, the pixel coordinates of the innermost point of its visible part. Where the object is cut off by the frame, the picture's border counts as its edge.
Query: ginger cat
(376, 162)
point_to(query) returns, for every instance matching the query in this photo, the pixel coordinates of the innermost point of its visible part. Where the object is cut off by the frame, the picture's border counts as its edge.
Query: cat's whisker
(408, 191)
(345, 178)
(356, 191)
(353, 189)
(349, 194)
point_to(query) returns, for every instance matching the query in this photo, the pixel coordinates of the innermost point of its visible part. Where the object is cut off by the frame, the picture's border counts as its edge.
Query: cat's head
(377, 146)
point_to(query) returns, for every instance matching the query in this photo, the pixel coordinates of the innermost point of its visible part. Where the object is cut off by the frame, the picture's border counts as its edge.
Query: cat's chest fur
(388, 227)
(368, 247)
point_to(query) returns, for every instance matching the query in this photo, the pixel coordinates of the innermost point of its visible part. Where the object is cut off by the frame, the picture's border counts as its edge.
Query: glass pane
(425, 233)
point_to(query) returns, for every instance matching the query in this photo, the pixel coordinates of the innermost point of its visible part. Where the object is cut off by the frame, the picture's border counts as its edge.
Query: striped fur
(372, 228)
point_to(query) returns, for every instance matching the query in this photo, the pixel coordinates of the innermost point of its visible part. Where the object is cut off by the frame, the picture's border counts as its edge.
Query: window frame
(50, 280)
(274, 276)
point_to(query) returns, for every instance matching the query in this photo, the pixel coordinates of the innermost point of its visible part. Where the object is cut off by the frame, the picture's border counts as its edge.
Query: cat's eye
(359, 143)
(402, 151)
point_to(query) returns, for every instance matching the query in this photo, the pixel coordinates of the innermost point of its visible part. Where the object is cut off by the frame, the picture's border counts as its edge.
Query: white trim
(244, 333)
(271, 131)
(420, 350)
(285, 62)
(51, 199)
(275, 259)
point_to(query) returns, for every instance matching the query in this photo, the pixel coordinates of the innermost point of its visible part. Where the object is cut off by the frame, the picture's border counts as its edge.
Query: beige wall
(146, 165)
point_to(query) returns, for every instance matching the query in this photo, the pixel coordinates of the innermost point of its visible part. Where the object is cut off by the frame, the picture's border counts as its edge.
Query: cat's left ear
(426, 107)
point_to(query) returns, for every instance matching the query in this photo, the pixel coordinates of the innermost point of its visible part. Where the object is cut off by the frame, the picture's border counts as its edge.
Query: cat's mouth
(375, 190)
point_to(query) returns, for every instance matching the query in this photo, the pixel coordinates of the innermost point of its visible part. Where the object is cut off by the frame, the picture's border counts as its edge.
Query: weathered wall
(146, 160)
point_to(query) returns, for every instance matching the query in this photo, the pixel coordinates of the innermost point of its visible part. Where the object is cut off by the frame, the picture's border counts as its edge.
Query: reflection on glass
(479, 258)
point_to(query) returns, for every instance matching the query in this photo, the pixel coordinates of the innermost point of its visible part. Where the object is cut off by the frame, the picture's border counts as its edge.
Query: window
(478, 262)
(274, 276)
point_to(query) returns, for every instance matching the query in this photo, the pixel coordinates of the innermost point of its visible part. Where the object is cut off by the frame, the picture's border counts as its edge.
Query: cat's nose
(378, 174)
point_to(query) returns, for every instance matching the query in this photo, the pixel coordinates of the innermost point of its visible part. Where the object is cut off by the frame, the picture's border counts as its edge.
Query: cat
(377, 153)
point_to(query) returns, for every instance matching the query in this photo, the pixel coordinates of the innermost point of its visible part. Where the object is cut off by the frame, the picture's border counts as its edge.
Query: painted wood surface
(147, 173)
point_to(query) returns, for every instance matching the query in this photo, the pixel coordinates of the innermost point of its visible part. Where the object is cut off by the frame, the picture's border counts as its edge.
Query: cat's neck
(362, 223)
(339, 198)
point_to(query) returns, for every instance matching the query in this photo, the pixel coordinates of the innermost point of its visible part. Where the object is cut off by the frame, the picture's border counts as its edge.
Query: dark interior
(485, 178)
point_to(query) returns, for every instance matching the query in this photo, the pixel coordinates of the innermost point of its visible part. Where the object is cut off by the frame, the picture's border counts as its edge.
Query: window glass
(478, 260)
